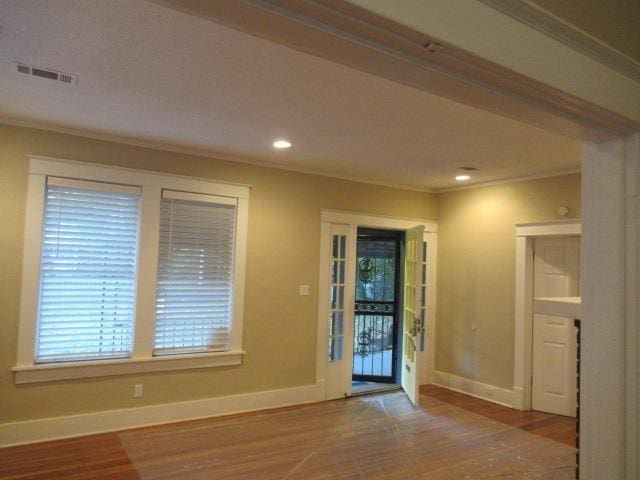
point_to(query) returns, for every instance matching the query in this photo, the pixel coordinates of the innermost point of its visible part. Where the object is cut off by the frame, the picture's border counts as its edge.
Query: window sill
(72, 370)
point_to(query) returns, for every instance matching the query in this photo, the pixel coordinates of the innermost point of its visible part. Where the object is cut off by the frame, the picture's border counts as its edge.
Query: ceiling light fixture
(462, 178)
(281, 144)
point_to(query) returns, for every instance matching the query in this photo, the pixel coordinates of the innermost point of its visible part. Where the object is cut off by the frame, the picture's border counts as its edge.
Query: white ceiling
(153, 74)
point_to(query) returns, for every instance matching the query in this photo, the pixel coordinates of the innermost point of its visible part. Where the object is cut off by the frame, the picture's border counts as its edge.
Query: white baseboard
(491, 393)
(30, 431)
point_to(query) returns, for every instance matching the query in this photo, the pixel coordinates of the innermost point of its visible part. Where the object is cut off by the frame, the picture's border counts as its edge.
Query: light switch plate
(304, 289)
(138, 391)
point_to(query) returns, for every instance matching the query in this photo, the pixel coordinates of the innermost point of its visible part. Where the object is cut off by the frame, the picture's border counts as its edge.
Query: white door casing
(526, 233)
(556, 274)
(335, 376)
(411, 321)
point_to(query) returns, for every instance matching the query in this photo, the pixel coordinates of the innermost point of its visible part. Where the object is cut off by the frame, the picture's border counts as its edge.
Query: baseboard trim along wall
(55, 428)
(31, 431)
(485, 391)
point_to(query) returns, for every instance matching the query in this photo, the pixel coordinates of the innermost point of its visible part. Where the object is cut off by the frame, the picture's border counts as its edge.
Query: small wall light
(462, 178)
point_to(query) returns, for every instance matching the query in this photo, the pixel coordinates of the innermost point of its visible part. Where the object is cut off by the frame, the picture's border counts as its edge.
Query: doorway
(556, 273)
(377, 310)
(414, 287)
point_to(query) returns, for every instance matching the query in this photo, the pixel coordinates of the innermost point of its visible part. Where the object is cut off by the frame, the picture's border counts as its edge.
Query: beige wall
(476, 270)
(283, 248)
(475, 279)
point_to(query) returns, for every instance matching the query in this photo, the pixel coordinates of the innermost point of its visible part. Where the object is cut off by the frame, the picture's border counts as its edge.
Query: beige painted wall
(283, 248)
(476, 270)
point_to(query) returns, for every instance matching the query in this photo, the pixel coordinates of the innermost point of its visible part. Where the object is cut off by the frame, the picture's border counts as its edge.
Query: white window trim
(142, 359)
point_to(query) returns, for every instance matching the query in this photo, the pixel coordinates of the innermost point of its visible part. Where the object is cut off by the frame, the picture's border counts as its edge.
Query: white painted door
(411, 322)
(340, 260)
(556, 269)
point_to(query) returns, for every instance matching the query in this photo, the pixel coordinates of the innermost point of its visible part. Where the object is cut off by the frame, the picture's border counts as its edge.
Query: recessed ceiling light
(281, 144)
(462, 178)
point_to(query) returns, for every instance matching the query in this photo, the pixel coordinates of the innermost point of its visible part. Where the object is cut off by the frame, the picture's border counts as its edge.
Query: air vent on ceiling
(47, 73)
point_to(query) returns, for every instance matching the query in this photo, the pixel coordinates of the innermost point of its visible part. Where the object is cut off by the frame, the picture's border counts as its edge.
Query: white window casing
(136, 355)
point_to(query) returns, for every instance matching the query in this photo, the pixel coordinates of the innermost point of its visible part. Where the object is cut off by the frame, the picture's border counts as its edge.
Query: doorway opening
(377, 310)
(556, 274)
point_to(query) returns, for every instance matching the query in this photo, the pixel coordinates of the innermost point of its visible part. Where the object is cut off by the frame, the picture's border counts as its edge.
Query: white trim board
(546, 22)
(375, 221)
(31, 431)
(523, 335)
(502, 181)
(485, 391)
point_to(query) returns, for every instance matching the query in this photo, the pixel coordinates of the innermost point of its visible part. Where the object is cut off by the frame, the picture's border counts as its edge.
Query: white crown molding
(198, 152)
(535, 17)
(502, 181)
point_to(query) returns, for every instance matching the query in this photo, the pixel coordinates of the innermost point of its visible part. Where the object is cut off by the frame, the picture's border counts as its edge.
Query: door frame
(353, 220)
(526, 233)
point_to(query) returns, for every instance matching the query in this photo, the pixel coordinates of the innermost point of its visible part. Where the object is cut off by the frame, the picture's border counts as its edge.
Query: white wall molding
(67, 370)
(603, 378)
(112, 420)
(570, 226)
(568, 34)
(504, 181)
(485, 391)
(199, 152)
(375, 221)
(632, 326)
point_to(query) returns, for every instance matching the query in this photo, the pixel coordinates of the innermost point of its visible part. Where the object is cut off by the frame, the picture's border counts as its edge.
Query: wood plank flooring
(449, 436)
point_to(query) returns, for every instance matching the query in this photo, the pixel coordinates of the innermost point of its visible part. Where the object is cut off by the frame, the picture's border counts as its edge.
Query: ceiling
(149, 73)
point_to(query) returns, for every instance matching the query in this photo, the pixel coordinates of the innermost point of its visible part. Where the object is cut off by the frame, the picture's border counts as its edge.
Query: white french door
(337, 301)
(341, 280)
(412, 322)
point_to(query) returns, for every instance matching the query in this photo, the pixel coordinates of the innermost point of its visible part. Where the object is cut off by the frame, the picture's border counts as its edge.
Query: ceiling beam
(349, 35)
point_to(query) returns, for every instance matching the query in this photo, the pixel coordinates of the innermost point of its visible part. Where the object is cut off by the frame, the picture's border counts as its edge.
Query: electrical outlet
(304, 289)
(138, 391)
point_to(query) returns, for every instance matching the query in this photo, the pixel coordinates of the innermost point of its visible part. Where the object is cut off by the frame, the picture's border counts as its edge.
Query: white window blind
(195, 273)
(88, 269)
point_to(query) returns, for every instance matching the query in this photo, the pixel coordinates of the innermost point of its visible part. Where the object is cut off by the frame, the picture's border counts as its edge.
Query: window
(195, 273)
(88, 267)
(337, 298)
(129, 271)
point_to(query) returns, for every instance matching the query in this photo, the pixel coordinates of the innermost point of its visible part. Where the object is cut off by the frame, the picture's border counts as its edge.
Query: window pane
(88, 268)
(195, 277)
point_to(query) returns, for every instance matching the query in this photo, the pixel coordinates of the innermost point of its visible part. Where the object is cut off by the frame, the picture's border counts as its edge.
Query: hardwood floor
(449, 436)
(556, 427)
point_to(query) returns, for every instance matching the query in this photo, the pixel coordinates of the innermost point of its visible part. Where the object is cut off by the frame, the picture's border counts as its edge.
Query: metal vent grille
(47, 73)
